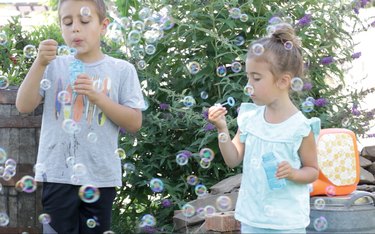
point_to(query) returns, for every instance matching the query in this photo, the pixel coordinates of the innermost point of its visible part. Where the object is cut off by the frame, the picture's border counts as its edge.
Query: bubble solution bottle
(270, 167)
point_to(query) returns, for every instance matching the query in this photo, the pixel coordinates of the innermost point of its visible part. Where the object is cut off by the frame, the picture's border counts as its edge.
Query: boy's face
(82, 32)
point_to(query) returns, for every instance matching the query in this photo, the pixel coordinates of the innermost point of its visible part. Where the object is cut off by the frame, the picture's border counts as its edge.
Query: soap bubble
(235, 13)
(141, 64)
(307, 106)
(223, 137)
(221, 71)
(91, 223)
(223, 203)
(182, 159)
(188, 210)
(29, 51)
(288, 45)
(319, 203)
(44, 218)
(79, 169)
(194, 67)
(244, 17)
(85, 11)
(3, 156)
(200, 190)
(188, 101)
(207, 153)
(144, 13)
(320, 224)
(156, 185)
(64, 97)
(134, 36)
(204, 95)
(4, 219)
(148, 220)
(92, 137)
(45, 84)
(257, 49)
(248, 90)
(120, 152)
(4, 82)
(239, 40)
(150, 49)
(192, 179)
(236, 67)
(63, 50)
(209, 210)
(205, 163)
(89, 193)
(29, 184)
(297, 84)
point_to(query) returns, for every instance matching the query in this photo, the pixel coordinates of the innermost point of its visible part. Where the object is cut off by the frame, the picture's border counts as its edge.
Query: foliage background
(204, 32)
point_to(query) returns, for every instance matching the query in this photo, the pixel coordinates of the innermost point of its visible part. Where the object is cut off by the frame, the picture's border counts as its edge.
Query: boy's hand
(284, 170)
(47, 51)
(216, 115)
(84, 85)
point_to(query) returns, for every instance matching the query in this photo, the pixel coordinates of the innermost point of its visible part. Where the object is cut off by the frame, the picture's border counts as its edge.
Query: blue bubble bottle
(270, 167)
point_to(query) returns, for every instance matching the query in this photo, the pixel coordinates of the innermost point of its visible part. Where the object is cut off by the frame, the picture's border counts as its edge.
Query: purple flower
(355, 112)
(164, 106)
(149, 229)
(307, 86)
(205, 114)
(356, 10)
(305, 20)
(373, 24)
(363, 3)
(122, 131)
(327, 60)
(356, 55)
(320, 102)
(166, 203)
(209, 127)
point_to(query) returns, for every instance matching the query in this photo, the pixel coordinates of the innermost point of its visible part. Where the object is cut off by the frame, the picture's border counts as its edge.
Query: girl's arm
(309, 171)
(232, 151)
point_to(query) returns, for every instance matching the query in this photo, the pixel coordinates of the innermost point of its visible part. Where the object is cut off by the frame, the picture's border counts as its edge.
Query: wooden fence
(19, 136)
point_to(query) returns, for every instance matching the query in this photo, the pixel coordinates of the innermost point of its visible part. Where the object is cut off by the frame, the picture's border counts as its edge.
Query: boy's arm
(28, 97)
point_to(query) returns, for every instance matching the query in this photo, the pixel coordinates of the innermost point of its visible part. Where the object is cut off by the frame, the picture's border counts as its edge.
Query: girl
(272, 124)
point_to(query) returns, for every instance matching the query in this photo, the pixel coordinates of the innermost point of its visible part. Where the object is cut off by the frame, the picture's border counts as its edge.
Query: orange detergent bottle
(338, 159)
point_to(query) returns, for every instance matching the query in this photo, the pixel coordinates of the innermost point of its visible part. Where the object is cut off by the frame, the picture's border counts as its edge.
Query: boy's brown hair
(100, 7)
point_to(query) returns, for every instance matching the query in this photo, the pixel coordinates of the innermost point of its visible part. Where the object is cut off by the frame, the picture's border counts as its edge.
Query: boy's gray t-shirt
(72, 155)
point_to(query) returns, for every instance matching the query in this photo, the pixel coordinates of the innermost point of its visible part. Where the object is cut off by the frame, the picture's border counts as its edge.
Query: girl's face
(263, 81)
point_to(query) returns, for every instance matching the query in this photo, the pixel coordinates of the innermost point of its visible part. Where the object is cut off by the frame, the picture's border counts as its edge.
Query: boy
(69, 159)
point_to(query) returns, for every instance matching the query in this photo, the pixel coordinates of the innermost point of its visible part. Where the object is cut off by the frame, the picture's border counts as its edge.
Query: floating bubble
(257, 49)
(307, 106)
(1, 188)
(200, 190)
(91, 223)
(221, 71)
(4, 219)
(194, 67)
(3, 156)
(192, 179)
(288, 20)
(205, 163)
(320, 224)
(141, 64)
(182, 159)
(144, 13)
(207, 153)
(248, 90)
(200, 212)
(92, 137)
(134, 36)
(152, 35)
(209, 210)
(73, 51)
(44, 218)
(79, 169)
(223, 137)
(310, 99)
(288, 45)
(114, 26)
(167, 23)
(345, 122)
(235, 13)
(150, 49)
(74, 179)
(70, 161)
(64, 97)
(89, 193)
(148, 220)
(45, 84)
(129, 168)
(275, 20)
(63, 50)
(236, 67)
(120, 152)
(125, 22)
(10, 163)
(204, 95)
(223, 203)
(156, 185)
(97, 85)
(29, 51)
(330, 191)
(188, 210)
(4, 82)
(3, 38)
(85, 11)
(188, 101)
(239, 40)
(271, 29)
(319, 203)
(297, 84)
(109, 232)
(138, 25)
(244, 17)
(29, 184)
(70, 126)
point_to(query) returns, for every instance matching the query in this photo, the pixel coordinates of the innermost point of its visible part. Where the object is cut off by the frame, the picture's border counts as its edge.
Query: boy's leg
(61, 202)
(100, 211)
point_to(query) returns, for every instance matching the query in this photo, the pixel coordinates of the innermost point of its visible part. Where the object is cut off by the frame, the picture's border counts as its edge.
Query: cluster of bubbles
(223, 203)
(9, 167)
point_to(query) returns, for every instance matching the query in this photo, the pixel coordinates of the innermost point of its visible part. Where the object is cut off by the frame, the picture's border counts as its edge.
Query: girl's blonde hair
(277, 53)
(100, 7)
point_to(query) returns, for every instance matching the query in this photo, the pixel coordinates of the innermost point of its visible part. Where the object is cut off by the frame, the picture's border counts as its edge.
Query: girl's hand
(84, 85)
(285, 170)
(216, 115)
